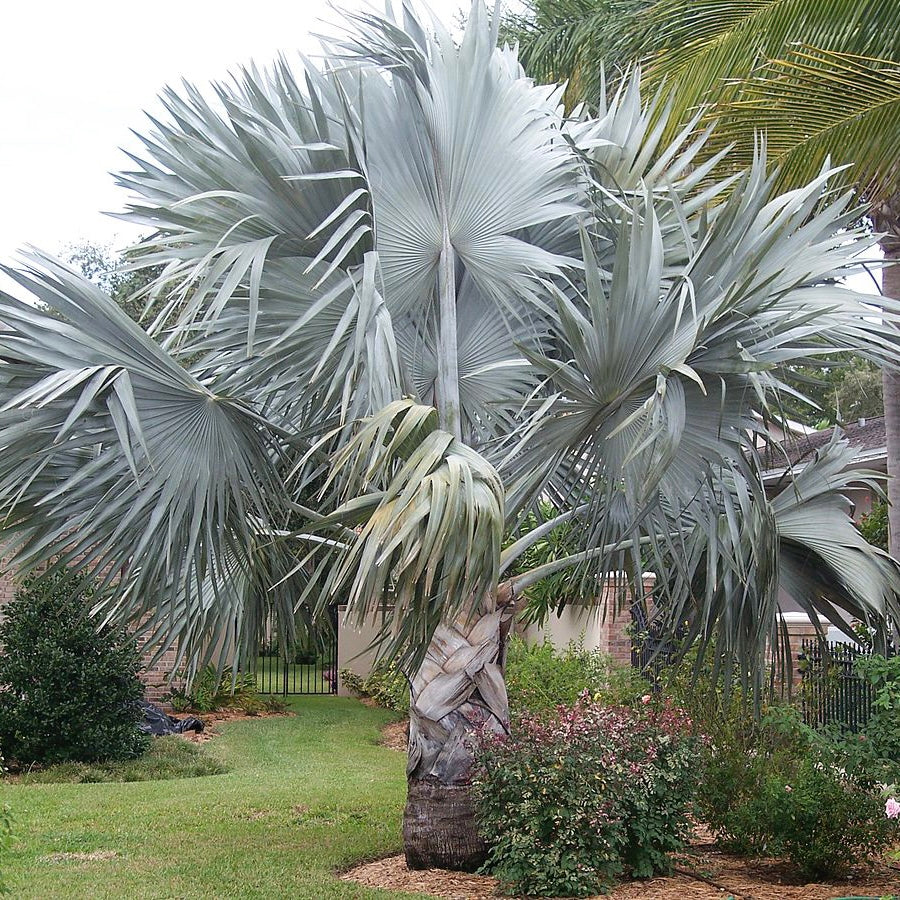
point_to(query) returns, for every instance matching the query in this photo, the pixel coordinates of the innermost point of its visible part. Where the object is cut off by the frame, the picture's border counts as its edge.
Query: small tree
(67, 688)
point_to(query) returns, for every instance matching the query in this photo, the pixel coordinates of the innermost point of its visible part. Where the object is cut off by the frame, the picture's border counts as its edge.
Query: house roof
(866, 436)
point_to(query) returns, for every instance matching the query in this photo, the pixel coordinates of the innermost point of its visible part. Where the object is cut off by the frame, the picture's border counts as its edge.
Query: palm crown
(408, 298)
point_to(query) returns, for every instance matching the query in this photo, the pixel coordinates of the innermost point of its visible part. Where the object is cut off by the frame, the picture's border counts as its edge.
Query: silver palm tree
(408, 298)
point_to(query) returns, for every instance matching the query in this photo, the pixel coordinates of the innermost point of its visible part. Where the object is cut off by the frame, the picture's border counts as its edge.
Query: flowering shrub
(570, 801)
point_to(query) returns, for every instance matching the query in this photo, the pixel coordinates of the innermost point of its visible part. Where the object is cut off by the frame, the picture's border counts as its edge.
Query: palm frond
(116, 458)
(267, 173)
(817, 107)
(458, 143)
(576, 41)
(430, 520)
(707, 48)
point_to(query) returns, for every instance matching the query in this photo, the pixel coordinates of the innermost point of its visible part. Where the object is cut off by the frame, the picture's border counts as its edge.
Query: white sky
(76, 77)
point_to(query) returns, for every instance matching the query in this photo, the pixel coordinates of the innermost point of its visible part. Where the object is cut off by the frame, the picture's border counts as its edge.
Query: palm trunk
(887, 220)
(458, 691)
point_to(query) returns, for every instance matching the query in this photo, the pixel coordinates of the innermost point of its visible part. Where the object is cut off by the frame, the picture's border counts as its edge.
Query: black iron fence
(307, 667)
(832, 693)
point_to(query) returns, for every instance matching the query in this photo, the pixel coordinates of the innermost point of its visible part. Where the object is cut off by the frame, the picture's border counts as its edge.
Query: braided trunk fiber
(458, 690)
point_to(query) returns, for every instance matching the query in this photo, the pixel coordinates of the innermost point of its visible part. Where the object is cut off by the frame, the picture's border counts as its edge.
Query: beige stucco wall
(598, 626)
(354, 650)
(601, 626)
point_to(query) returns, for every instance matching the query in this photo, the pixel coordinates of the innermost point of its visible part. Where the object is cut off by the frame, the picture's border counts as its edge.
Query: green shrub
(67, 688)
(779, 788)
(882, 730)
(273, 703)
(872, 754)
(571, 800)
(874, 525)
(213, 690)
(539, 677)
(385, 685)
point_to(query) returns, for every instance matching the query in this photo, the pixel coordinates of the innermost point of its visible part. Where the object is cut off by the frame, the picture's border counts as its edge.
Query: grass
(168, 757)
(302, 797)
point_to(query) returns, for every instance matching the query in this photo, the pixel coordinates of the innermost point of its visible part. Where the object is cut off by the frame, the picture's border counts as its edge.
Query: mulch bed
(221, 717)
(703, 873)
(395, 736)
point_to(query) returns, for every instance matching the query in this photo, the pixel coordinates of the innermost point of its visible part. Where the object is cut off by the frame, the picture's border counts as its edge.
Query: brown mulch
(392, 874)
(702, 873)
(395, 736)
(221, 717)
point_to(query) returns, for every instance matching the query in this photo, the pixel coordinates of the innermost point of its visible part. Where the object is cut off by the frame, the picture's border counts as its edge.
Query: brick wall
(156, 675)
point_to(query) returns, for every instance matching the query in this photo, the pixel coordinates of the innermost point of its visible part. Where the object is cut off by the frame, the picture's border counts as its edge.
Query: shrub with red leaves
(572, 800)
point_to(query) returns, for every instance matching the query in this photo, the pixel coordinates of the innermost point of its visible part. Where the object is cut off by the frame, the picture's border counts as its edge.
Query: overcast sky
(76, 77)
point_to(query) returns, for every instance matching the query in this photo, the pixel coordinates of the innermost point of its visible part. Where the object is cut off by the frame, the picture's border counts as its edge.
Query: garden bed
(221, 717)
(703, 872)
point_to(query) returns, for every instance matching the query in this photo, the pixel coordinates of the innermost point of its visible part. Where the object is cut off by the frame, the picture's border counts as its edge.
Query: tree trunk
(458, 691)
(887, 219)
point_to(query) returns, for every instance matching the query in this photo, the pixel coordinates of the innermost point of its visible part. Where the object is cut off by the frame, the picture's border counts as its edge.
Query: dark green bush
(67, 688)
(572, 799)
(539, 677)
(779, 788)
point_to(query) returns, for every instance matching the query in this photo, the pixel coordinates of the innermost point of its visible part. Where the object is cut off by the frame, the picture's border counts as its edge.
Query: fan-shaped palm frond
(118, 459)
(802, 544)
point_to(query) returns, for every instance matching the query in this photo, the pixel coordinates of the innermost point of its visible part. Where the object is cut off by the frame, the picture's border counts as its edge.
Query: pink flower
(645, 699)
(892, 808)
(788, 789)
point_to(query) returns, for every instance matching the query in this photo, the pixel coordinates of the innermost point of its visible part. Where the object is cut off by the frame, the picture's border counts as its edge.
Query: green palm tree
(820, 80)
(409, 300)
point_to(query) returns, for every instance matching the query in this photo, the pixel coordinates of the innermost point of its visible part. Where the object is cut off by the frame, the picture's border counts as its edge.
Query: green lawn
(303, 796)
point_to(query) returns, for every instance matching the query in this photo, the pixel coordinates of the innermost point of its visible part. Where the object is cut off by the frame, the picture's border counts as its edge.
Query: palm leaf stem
(524, 543)
(519, 583)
